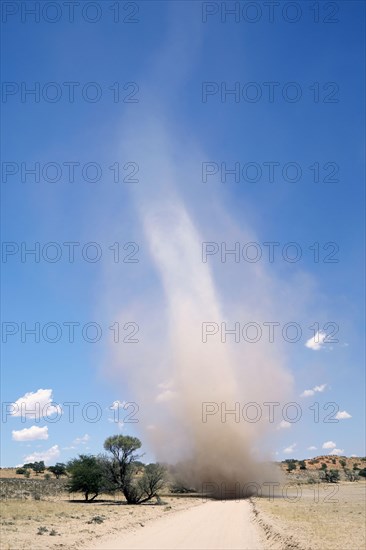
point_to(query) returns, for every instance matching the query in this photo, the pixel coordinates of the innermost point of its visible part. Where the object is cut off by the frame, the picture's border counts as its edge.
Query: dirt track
(220, 525)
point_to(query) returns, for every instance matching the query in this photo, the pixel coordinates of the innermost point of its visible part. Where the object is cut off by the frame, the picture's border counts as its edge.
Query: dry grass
(9, 473)
(22, 519)
(333, 462)
(325, 517)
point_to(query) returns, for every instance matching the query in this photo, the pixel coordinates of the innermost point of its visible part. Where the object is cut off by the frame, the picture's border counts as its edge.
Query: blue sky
(164, 60)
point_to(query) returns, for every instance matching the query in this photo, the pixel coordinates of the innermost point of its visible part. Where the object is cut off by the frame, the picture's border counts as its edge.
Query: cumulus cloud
(329, 445)
(283, 425)
(81, 440)
(311, 448)
(35, 405)
(166, 395)
(78, 441)
(317, 341)
(342, 415)
(118, 405)
(48, 456)
(290, 448)
(30, 434)
(337, 452)
(315, 389)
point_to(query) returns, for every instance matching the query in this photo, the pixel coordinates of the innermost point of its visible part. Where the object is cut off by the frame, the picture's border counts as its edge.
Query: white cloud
(342, 415)
(166, 395)
(311, 448)
(48, 456)
(118, 405)
(320, 388)
(166, 385)
(30, 434)
(81, 440)
(284, 425)
(337, 452)
(290, 448)
(309, 393)
(35, 405)
(329, 445)
(317, 341)
(78, 441)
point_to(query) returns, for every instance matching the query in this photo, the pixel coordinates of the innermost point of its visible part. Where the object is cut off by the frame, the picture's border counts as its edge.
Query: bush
(180, 488)
(324, 466)
(87, 476)
(121, 470)
(20, 471)
(58, 470)
(96, 519)
(332, 476)
(362, 472)
(291, 465)
(352, 475)
(302, 464)
(37, 467)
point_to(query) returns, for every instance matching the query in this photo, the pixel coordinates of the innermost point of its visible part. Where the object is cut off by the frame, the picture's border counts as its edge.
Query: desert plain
(299, 515)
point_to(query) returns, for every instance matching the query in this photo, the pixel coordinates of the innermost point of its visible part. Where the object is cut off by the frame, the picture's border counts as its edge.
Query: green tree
(343, 463)
(352, 475)
(153, 480)
(291, 466)
(122, 470)
(332, 476)
(86, 476)
(324, 466)
(58, 470)
(302, 465)
(39, 467)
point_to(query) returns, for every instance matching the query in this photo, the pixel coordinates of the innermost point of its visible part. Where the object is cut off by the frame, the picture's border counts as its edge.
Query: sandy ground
(72, 525)
(319, 517)
(214, 525)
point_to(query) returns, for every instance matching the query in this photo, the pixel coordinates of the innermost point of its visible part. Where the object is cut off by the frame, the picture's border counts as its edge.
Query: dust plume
(182, 384)
(172, 374)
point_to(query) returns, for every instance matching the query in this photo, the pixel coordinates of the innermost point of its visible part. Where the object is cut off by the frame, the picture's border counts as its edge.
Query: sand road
(220, 525)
